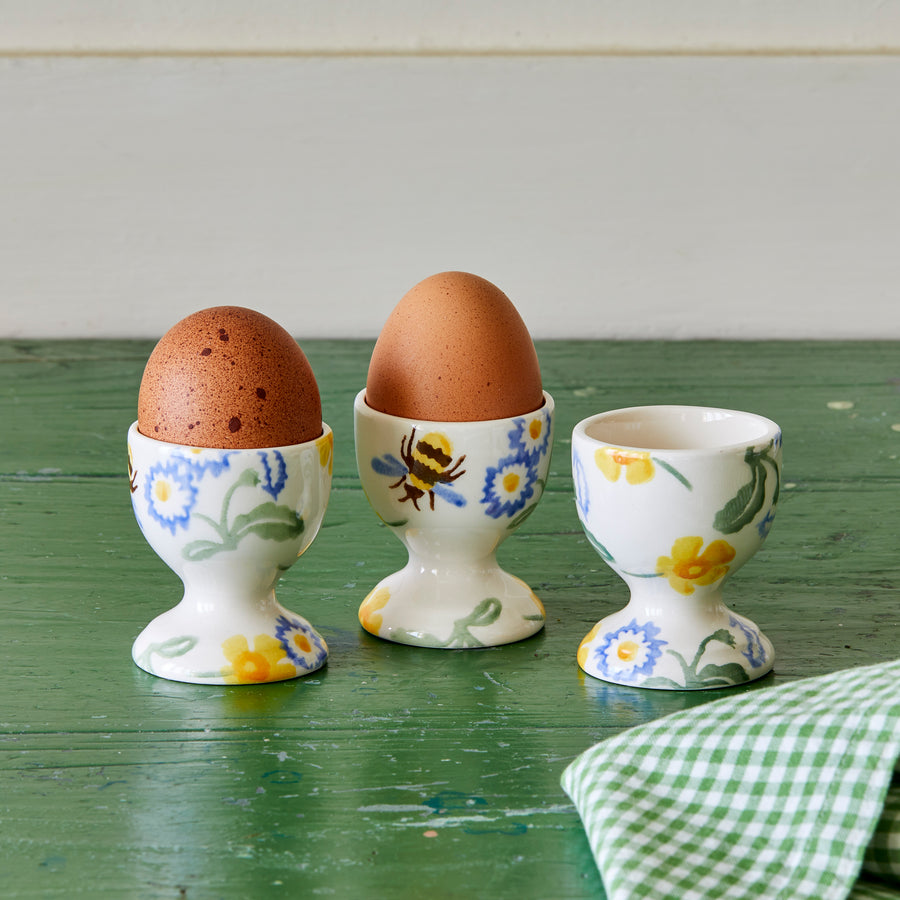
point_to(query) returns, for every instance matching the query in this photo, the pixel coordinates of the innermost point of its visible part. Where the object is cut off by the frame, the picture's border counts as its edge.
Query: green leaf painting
(673, 472)
(168, 649)
(746, 504)
(268, 521)
(711, 675)
(485, 613)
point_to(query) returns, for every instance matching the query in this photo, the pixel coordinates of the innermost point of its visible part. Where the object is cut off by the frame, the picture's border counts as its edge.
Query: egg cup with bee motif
(229, 523)
(452, 492)
(675, 499)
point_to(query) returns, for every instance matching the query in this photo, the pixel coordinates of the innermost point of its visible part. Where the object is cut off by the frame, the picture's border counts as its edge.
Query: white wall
(642, 169)
(413, 26)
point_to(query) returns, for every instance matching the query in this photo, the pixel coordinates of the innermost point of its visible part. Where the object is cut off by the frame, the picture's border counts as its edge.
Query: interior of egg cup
(484, 474)
(677, 428)
(212, 506)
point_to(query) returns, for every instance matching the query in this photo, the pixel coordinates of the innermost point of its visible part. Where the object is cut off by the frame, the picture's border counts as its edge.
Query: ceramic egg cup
(452, 492)
(229, 523)
(676, 499)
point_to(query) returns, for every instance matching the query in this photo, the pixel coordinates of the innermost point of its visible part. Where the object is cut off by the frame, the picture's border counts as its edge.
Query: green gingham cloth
(882, 857)
(773, 794)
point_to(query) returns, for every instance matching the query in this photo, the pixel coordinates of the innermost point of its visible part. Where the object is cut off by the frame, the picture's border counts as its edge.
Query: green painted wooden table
(395, 772)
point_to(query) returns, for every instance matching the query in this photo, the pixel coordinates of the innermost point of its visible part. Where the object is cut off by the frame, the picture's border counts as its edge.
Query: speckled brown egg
(229, 377)
(454, 349)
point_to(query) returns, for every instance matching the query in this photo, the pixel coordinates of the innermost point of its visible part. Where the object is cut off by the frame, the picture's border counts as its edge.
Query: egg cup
(452, 492)
(675, 499)
(229, 523)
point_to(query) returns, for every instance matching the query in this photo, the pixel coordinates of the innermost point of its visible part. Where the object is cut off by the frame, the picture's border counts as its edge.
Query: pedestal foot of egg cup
(451, 492)
(675, 500)
(229, 523)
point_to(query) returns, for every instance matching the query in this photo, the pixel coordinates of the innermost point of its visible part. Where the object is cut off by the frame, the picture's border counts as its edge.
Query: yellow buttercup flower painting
(636, 464)
(267, 661)
(585, 645)
(688, 567)
(326, 451)
(370, 610)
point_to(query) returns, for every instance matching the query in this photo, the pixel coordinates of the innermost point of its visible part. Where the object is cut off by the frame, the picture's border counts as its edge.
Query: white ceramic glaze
(452, 492)
(229, 523)
(676, 499)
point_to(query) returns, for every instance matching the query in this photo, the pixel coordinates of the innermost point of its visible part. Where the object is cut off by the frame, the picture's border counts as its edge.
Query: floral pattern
(636, 464)
(754, 652)
(171, 648)
(629, 652)
(582, 493)
(764, 525)
(269, 521)
(427, 466)
(531, 436)
(510, 484)
(213, 501)
(204, 463)
(325, 445)
(170, 487)
(688, 567)
(267, 661)
(274, 472)
(295, 647)
(584, 647)
(485, 613)
(170, 494)
(711, 675)
(657, 654)
(301, 644)
(631, 655)
(750, 498)
(370, 610)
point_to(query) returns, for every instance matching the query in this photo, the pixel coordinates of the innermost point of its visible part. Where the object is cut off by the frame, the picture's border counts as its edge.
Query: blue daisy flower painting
(629, 652)
(530, 436)
(304, 648)
(171, 494)
(508, 486)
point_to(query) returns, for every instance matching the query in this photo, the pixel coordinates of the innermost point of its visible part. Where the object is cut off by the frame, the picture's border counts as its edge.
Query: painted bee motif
(425, 467)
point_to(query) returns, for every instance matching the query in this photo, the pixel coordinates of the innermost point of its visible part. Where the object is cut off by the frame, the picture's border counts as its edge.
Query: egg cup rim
(134, 433)
(361, 405)
(772, 429)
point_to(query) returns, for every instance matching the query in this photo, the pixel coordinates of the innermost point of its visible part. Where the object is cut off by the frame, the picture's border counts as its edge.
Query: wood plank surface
(395, 771)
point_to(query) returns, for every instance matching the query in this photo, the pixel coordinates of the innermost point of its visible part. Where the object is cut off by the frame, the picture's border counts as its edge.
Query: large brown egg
(454, 349)
(229, 377)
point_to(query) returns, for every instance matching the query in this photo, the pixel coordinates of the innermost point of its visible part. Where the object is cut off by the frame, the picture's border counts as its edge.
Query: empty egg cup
(229, 523)
(452, 492)
(676, 499)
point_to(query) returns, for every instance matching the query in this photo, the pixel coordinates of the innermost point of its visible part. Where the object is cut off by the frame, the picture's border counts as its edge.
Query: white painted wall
(646, 169)
(496, 26)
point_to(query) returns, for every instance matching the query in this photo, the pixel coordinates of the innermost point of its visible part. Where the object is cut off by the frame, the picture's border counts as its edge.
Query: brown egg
(454, 349)
(229, 377)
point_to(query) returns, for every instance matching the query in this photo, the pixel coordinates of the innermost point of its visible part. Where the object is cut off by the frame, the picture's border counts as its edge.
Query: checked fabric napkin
(782, 793)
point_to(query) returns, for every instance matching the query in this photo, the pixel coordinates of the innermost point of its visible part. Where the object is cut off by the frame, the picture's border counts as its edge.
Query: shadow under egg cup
(452, 492)
(229, 523)
(675, 499)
